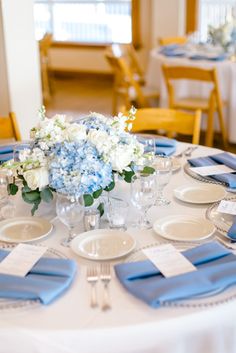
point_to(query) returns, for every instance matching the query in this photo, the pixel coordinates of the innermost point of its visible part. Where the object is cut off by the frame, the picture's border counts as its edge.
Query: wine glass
(4, 181)
(143, 195)
(149, 150)
(70, 211)
(163, 172)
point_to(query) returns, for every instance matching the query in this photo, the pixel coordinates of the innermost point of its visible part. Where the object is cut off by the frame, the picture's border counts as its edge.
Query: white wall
(4, 97)
(168, 19)
(21, 63)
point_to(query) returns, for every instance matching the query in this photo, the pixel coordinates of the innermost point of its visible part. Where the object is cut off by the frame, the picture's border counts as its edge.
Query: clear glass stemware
(143, 191)
(163, 172)
(70, 212)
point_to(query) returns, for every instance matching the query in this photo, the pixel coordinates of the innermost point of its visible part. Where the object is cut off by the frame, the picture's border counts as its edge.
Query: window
(215, 13)
(84, 21)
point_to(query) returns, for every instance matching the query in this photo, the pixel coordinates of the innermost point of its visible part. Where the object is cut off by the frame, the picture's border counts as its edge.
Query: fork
(105, 276)
(92, 278)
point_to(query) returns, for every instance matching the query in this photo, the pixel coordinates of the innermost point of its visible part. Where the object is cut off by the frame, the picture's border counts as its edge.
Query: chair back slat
(172, 121)
(9, 128)
(172, 40)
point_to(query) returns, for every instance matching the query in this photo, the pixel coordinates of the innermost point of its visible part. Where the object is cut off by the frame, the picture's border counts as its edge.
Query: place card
(169, 261)
(21, 259)
(212, 170)
(227, 207)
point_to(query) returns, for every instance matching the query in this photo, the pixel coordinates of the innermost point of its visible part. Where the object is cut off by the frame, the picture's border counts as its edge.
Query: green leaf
(110, 186)
(35, 207)
(88, 200)
(148, 170)
(31, 197)
(128, 176)
(101, 208)
(12, 189)
(26, 188)
(46, 195)
(97, 193)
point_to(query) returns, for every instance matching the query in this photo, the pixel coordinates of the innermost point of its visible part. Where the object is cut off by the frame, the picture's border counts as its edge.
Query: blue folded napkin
(232, 231)
(6, 152)
(6, 149)
(48, 279)
(216, 268)
(173, 53)
(221, 158)
(5, 157)
(220, 57)
(164, 146)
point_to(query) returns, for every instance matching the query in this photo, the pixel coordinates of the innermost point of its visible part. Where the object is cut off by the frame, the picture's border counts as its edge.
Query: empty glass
(163, 172)
(117, 211)
(70, 212)
(143, 195)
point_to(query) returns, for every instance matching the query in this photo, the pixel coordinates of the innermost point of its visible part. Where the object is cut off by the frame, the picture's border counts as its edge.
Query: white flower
(76, 132)
(36, 178)
(98, 138)
(120, 158)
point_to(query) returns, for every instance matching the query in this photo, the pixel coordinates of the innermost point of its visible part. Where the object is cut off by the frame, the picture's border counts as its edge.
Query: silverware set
(187, 152)
(93, 277)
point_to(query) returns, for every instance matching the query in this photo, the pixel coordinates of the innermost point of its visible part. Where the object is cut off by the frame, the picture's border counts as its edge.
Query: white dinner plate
(24, 229)
(184, 228)
(200, 194)
(103, 244)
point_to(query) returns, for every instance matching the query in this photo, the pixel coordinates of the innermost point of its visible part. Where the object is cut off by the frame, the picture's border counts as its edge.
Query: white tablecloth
(227, 80)
(69, 325)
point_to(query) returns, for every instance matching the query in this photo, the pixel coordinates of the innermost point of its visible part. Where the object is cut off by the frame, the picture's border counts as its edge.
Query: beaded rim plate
(10, 305)
(222, 221)
(198, 177)
(213, 299)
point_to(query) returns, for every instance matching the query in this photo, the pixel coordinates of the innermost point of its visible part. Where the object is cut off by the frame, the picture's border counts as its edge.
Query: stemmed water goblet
(143, 195)
(163, 172)
(7, 208)
(70, 211)
(149, 150)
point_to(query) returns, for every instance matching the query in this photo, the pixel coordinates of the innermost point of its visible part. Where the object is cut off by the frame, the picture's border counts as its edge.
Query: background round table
(226, 71)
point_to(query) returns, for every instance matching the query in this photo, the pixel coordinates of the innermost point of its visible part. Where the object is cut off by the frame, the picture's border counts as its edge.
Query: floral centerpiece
(224, 35)
(76, 158)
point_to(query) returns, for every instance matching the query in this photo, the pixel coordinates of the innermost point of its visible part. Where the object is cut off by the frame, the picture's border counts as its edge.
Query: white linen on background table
(226, 71)
(69, 325)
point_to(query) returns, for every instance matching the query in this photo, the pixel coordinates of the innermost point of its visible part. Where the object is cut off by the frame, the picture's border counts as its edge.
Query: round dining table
(226, 71)
(70, 325)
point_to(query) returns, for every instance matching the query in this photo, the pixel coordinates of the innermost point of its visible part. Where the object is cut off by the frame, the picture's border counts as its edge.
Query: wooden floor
(78, 96)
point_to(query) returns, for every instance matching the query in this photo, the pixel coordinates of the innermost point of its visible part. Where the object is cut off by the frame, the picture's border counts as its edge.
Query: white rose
(36, 178)
(120, 159)
(98, 138)
(76, 132)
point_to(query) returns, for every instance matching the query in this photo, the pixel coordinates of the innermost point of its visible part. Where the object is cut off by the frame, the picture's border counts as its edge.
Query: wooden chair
(169, 120)
(126, 86)
(44, 46)
(210, 105)
(129, 53)
(9, 128)
(172, 40)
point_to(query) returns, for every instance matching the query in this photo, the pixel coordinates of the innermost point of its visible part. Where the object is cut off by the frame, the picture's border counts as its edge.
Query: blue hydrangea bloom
(93, 122)
(76, 168)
